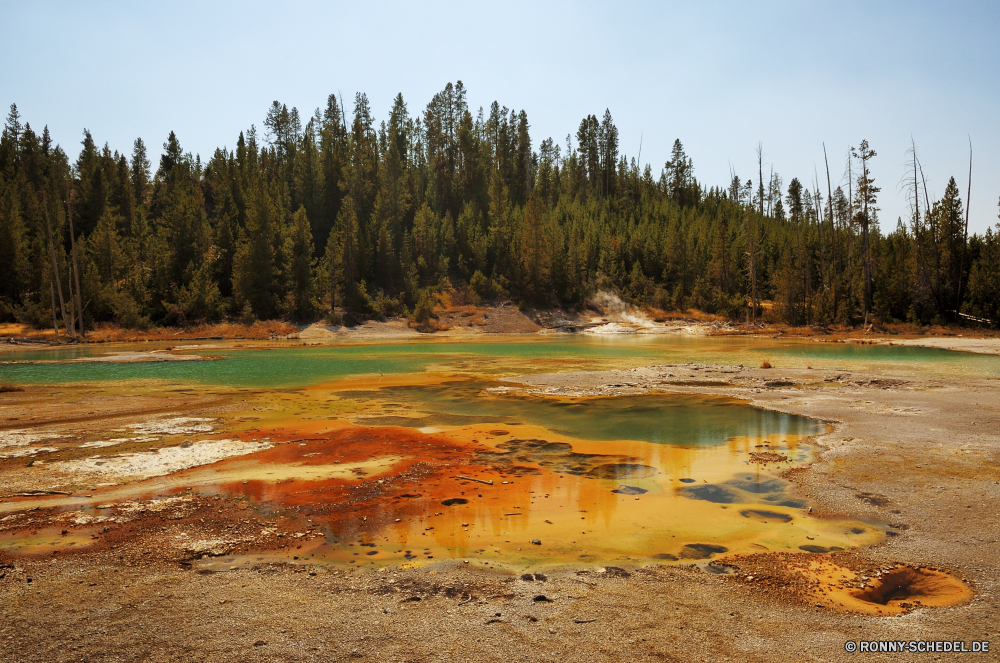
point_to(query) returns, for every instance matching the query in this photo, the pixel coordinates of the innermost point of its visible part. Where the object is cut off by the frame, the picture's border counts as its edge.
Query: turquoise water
(678, 419)
(290, 365)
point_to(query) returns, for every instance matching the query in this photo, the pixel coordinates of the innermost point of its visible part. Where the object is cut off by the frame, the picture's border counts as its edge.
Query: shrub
(481, 288)
(424, 310)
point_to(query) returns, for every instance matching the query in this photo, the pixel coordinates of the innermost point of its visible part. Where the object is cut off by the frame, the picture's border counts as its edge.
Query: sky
(722, 77)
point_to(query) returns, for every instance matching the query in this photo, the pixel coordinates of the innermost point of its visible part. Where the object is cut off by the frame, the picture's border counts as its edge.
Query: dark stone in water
(665, 556)
(542, 598)
(687, 480)
(455, 500)
(527, 577)
(622, 471)
(701, 550)
(541, 577)
(372, 552)
(410, 495)
(793, 504)
(814, 549)
(536, 542)
(758, 487)
(630, 490)
(711, 493)
(499, 432)
(521, 454)
(766, 515)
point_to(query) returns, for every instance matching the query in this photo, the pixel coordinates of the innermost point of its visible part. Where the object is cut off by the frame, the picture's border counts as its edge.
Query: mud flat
(986, 346)
(156, 576)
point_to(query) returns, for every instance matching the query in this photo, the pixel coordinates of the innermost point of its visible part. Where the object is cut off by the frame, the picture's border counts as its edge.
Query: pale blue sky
(720, 76)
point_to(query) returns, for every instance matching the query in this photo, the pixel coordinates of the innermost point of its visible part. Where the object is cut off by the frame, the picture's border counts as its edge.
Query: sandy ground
(918, 454)
(987, 346)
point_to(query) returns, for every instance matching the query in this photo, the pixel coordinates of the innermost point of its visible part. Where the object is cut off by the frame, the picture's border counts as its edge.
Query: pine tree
(866, 199)
(304, 301)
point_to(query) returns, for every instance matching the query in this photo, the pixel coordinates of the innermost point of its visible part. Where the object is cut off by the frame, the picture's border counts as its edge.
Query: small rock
(536, 542)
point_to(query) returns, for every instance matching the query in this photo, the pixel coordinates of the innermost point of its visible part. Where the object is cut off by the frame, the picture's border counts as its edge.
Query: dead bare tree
(753, 236)
(824, 267)
(55, 271)
(52, 293)
(850, 213)
(965, 237)
(917, 224)
(760, 172)
(770, 192)
(76, 269)
(833, 233)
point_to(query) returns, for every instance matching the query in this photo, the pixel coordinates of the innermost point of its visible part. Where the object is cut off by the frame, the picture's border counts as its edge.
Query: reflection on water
(660, 418)
(524, 497)
(396, 454)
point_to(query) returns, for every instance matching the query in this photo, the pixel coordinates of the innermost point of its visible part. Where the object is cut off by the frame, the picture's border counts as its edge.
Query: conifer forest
(342, 216)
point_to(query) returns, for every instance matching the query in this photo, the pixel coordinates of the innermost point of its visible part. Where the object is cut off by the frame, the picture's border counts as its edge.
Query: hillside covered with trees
(340, 215)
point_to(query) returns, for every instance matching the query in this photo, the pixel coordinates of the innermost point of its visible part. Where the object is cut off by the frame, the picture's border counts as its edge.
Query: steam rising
(617, 310)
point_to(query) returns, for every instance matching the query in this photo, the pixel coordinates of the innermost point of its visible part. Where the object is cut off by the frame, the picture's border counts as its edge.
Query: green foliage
(199, 299)
(481, 288)
(344, 216)
(983, 300)
(304, 304)
(424, 310)
(13, 249)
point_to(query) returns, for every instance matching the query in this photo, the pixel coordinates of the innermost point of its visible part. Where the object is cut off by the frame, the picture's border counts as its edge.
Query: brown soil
(454, 317)
(109, 333)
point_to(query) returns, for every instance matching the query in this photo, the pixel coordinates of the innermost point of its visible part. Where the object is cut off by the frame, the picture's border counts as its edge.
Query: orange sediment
(891, 591)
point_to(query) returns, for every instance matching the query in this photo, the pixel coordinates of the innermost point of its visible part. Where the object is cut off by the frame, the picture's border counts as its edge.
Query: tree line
(341, 216)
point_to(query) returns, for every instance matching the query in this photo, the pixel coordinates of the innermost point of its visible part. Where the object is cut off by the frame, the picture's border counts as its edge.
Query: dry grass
(19, 330)
(261, 330)
(688, 314)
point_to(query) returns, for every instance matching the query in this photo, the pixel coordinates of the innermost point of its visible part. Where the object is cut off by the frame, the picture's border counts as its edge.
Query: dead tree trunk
(76, 269)
(833, 234)
(52, 293)
(965, 238)
(55, 272)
